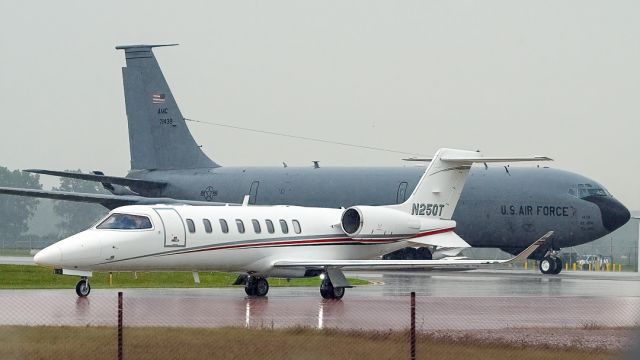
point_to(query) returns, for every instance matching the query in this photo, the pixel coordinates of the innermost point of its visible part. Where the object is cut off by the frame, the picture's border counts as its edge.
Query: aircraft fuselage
(505, 208)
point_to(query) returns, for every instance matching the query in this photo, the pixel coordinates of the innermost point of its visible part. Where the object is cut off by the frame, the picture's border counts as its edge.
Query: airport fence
(225, 324)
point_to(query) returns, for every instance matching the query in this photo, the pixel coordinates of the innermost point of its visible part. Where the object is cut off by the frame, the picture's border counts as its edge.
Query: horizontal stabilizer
(102, 178)
(408, 264)
(495, 159)
(483, 159)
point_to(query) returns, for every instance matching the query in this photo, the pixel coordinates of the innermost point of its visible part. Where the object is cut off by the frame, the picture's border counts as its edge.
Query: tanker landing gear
(551, 263)
(256, 286)
(82, 287)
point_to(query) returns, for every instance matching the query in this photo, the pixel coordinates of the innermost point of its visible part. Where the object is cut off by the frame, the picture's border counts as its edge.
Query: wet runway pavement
(16, 260)
(457, 301)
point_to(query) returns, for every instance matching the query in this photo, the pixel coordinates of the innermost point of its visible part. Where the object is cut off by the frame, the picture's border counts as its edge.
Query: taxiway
(445, 300)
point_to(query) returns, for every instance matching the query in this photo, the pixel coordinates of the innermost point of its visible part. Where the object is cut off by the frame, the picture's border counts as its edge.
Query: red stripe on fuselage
(314, 242)
(432, 232)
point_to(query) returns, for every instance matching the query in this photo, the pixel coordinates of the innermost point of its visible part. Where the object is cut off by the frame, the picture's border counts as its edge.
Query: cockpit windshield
(125, 222)
(584, 190)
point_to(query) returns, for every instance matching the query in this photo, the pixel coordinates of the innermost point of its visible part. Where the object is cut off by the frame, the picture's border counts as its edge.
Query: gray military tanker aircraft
(500, 207)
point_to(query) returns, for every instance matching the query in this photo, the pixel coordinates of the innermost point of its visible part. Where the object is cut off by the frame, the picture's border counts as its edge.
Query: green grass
(24, 342)
(36, 277)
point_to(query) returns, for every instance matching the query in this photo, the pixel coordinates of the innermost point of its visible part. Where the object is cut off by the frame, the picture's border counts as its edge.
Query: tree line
(16, 212)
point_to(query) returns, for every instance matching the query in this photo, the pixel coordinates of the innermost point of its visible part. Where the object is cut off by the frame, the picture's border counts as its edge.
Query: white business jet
(258, 242)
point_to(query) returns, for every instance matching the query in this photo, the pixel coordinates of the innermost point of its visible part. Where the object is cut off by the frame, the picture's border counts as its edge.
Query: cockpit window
(584, 190)
(125, 222)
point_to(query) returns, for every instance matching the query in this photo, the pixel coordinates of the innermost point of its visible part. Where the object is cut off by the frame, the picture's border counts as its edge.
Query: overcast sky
(558, 78)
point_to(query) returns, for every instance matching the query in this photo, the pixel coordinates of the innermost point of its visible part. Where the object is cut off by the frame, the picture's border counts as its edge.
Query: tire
(559, 264)
(261, 287)
(338, 293)
(250, 286)
(326, 289)
(547, 265)
(83, 288)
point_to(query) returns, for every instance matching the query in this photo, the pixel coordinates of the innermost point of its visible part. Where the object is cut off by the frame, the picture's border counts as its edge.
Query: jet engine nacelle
(361, 222)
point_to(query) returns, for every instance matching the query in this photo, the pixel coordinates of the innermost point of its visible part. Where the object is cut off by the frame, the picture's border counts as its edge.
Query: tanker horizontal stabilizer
(101, 178)
(106, 200)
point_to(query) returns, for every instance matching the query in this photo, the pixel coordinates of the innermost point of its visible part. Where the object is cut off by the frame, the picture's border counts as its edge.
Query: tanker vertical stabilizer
(158, 135)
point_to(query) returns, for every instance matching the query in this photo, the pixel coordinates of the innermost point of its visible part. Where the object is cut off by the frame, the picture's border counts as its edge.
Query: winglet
(529, 250)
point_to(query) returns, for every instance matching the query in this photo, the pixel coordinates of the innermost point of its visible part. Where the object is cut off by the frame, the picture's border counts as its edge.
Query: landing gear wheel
(83, 288)
(250, 286)
(262, 287)
(559, 265)
(328, 291)
(338, 293)
(547, 265)
(256, 286)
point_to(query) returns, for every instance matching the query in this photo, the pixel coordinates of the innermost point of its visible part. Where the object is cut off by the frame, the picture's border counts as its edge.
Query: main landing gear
(551, 264)
(328, 291)
(82, 287)
(256, 286)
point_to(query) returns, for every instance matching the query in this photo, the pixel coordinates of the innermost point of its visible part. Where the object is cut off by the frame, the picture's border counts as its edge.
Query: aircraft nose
(613, 213)
(51, 255)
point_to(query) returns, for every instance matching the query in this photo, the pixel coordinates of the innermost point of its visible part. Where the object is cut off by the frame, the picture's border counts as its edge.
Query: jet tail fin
(439, 189)
(159, 138)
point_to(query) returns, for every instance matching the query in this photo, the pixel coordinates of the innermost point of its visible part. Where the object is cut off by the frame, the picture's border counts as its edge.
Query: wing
(408, 264)
(108, 201)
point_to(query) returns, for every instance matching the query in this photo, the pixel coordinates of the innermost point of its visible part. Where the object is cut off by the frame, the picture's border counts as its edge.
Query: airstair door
(174, 232)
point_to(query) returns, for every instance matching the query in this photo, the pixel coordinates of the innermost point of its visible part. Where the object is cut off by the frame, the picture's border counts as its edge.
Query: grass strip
(36, 277)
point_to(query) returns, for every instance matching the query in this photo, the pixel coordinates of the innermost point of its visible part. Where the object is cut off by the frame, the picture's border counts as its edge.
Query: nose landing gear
(82, 287)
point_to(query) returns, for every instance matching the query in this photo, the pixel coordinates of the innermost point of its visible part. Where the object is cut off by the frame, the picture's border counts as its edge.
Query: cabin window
(256, 226)
(270, 227)
(284, 227)
(240, 226)
(296, 226)
(125, 222)
(223, 226)
(191, 226)
(207, 225)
